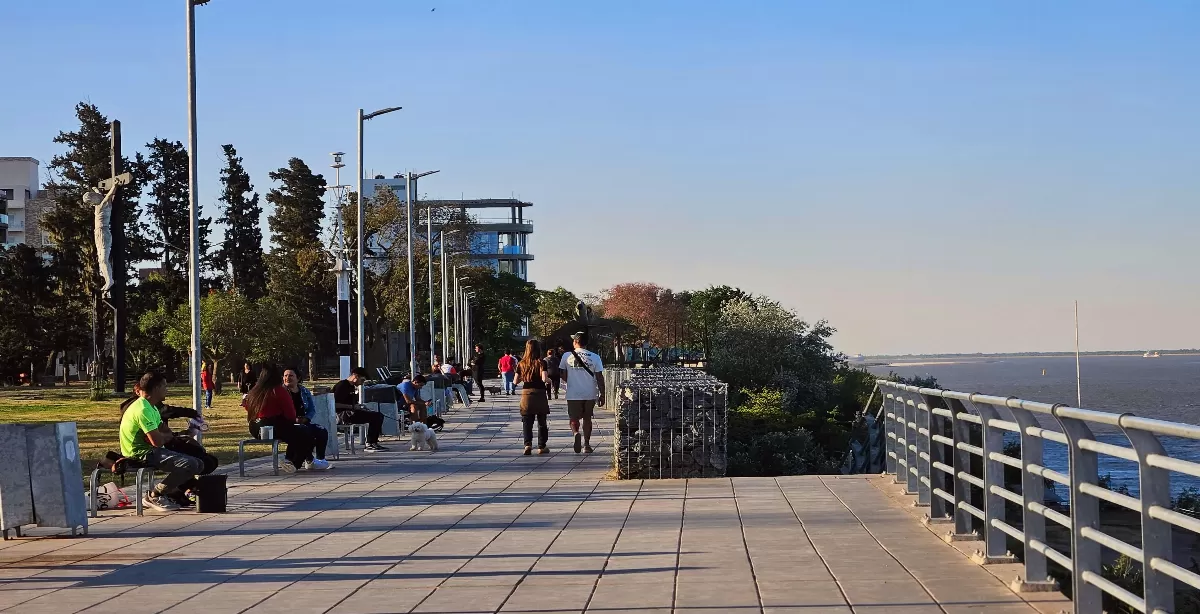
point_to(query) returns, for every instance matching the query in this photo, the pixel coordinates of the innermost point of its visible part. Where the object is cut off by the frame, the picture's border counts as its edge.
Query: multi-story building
(21, 203)
(502, 231)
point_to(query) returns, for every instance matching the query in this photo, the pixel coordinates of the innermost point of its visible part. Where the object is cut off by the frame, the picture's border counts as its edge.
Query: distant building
(22, 205)
(502, 238)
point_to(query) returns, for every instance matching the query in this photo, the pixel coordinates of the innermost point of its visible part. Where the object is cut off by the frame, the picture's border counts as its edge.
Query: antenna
(1078, 385)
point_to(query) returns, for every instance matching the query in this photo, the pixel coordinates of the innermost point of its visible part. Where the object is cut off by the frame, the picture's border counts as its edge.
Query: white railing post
(1033, 493)
(1154, 489)
(924, 430)
(889, 433)
(962, 463)
(939, 508)
(995, 544)
(912, 479)
(1085, 513)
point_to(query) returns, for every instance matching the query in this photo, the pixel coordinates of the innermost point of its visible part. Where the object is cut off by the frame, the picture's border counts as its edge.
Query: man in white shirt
(583, 373)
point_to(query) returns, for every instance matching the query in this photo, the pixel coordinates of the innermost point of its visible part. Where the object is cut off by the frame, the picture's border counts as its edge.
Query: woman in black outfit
(551, 362)
(246, 380)
(531, 374)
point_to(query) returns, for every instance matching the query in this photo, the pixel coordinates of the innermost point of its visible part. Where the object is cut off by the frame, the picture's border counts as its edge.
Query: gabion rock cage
(670, 423)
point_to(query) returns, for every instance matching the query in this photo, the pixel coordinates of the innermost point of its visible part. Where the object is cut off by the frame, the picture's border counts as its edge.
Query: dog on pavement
(423, 438)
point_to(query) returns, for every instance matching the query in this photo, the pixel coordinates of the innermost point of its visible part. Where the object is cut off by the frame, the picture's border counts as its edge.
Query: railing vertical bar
(993, 475)
(1085, 512)
(1033, 490)
(889, 428)
(1154, 489)
(912, 479)
(962, 463)
(924, 470)
(939, 508)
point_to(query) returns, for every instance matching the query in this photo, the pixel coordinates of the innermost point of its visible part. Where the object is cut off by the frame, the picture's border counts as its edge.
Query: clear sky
(928, 176)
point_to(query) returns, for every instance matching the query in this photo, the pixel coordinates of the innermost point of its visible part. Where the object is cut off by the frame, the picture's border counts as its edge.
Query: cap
(580, 336)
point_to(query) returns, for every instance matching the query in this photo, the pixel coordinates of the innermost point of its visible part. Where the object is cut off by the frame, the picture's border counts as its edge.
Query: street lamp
(361, 319)
(193, 210)
(410, 186)
(445, 337)
(341, 270)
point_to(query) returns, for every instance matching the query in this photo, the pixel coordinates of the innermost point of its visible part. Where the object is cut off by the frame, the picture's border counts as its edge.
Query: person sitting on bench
(145, 438)
(269, 404)
(410, 391)
(350, 411)
(182, 443)
(306, 409)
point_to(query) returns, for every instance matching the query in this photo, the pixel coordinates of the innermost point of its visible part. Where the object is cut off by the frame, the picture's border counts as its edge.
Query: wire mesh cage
(670, 423)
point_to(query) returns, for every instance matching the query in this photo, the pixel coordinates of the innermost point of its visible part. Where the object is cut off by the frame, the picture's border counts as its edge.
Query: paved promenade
(478, 528)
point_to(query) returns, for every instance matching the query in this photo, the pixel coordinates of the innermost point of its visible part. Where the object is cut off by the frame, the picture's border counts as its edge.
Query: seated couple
(146, 438)
(282, 403)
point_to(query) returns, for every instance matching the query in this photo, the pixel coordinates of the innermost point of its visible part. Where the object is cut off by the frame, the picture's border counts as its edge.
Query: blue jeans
(509, 387)
(208, 398)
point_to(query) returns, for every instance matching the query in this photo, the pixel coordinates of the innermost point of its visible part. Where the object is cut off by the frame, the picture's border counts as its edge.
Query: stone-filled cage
(671, 422)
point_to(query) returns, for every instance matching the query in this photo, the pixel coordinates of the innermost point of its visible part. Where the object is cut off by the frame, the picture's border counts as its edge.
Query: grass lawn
(97, 421)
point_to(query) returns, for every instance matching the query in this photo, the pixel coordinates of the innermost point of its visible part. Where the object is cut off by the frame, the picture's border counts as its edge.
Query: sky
(927, 176)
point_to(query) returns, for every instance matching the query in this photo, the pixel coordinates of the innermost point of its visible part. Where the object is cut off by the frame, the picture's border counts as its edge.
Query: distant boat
(857, 358)
(1151, 355)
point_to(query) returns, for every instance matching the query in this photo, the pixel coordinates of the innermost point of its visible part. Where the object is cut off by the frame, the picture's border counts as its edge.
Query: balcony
(504, 224)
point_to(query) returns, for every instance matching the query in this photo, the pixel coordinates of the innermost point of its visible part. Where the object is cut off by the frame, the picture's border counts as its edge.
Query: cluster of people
(279, 401)
(538, 374)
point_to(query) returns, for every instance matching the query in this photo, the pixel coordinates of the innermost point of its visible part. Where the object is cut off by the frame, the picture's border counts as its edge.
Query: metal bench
(274, 443)
(143, 478)
(350, 432)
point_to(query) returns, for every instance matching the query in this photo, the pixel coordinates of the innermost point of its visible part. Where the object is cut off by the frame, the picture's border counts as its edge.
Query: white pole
(412, 316)
(445, 328)
(429, 260)
(457, 345)
(360, 319)
(193, 211)
(1078, 383)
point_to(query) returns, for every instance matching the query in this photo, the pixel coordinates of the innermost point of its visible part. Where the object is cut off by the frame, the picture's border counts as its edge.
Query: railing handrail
(937, 468)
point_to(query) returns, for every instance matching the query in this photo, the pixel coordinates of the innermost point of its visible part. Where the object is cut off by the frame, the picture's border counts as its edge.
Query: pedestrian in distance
(508, 366)
(583, 371)
(551, 362)
(531, 374)
(246, 379)
(478, 361)
(206, 383)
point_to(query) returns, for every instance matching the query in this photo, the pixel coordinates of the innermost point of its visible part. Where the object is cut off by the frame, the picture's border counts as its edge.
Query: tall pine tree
(166, 168)
(240, 257)
(298, 266)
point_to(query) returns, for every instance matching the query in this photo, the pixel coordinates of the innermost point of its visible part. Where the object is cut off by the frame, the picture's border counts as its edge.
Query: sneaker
(528, 450)
(374, 447)
(159, 502)
(287, 467)
(578, 443)
(543, 450)
(587, 449)
(321, 465)
(308, 465)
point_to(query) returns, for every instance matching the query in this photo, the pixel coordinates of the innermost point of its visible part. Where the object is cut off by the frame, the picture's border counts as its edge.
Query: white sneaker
(321, 465)
(287, 467)
(308, 465)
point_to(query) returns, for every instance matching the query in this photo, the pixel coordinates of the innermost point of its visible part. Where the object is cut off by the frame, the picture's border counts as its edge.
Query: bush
(99, 390)
(765, 440)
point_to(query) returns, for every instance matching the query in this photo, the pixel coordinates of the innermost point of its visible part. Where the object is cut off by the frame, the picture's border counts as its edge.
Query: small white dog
(423, 437)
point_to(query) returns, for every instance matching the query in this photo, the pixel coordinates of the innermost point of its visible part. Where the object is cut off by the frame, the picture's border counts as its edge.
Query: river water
(1166, 388)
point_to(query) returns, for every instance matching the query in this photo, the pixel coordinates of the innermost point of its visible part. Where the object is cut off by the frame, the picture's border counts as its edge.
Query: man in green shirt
(143, 437)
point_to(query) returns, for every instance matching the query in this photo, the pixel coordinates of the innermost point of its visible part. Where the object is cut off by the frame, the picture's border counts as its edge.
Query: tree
(653, 309)
(27, 294)
(166, 168)
(704, 311)
(759, 344)
(241, 256)
(503, 303)
(299, 267)
(554, 308)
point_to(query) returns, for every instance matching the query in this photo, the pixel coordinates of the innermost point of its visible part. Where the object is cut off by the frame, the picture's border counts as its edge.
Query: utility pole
(193, 208)
(120, 277)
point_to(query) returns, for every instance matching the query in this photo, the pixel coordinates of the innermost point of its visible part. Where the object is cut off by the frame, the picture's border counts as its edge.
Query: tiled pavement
(478, 528)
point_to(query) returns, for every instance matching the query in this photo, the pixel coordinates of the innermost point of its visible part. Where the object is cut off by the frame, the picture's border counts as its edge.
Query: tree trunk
(216, 375)
(312, 366)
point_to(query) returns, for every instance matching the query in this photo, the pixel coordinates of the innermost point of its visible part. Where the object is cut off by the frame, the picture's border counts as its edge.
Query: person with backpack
(583, 371)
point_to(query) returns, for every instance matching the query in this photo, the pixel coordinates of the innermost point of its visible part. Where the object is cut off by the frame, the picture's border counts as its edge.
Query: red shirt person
(508, 368)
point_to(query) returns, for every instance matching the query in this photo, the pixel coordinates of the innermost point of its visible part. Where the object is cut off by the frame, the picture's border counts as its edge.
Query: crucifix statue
(110, 252)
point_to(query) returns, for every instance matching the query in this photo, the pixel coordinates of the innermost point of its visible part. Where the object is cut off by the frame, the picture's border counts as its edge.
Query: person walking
(206, 383)
(550, 363)
(270, 404)
(508, 366)
(478, 361)
(531, 374)
(583, 371)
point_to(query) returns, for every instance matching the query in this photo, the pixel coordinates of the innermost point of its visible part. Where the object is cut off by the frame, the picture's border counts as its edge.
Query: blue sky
(928, 176)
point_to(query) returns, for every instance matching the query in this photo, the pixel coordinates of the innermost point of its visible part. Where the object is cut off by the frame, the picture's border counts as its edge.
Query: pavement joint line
(608, 559)
(679, 548)
(745, 544)
(881, 544)
(828, 569)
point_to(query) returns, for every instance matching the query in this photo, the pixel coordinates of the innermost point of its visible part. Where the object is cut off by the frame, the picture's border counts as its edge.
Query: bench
(274, 443)
(351, 432)
(118, 467)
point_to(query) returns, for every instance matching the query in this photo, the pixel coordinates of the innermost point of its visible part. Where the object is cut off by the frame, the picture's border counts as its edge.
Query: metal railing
(935, 438)
(670, 422)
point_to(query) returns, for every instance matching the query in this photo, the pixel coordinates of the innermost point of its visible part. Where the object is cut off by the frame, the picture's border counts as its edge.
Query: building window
(6, 194)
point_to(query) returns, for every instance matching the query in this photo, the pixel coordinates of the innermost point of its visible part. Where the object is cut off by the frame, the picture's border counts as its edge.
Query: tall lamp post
(445, 328)
(410, 186)
(360, 320)
(341, 270)
(193, 210)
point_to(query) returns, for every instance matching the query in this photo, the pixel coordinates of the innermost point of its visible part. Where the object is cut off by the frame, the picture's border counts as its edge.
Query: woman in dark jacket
(246, 380)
